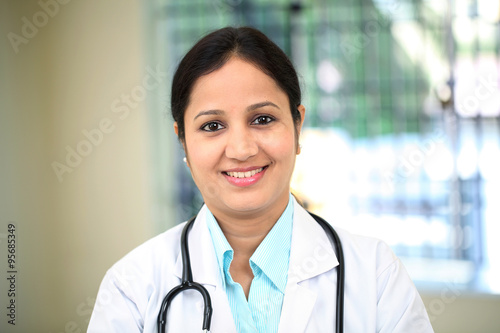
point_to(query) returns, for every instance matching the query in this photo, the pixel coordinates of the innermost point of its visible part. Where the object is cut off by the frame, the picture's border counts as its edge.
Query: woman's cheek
(282, 143)
(201, 149)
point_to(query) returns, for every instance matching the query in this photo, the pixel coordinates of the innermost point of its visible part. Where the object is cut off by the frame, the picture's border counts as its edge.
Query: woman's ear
(302, 111)
(176, 130)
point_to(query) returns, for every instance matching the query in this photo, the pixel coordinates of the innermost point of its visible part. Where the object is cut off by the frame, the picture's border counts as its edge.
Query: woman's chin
(242, 207)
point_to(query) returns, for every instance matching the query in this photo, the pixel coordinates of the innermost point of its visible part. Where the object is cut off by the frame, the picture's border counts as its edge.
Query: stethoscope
(188, 283)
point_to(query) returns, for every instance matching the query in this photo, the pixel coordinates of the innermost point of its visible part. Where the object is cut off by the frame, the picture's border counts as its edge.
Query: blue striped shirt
(269, 263)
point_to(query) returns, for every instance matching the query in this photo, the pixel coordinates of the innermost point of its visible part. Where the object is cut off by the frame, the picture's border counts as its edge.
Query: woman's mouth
(244, 178)
(244, 174)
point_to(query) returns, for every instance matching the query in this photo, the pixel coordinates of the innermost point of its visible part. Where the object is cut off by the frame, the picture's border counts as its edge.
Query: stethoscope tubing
(188, 283)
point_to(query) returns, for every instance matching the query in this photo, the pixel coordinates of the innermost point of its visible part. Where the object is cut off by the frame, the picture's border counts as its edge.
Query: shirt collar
(273, 254)
(223, 250)
(271, 257)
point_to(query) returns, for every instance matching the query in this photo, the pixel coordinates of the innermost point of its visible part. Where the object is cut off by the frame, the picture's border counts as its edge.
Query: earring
(299, 149)
(185, 159)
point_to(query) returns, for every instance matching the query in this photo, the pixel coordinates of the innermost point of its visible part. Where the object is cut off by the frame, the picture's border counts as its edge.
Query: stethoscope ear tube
(187, 274)
(162, 316)
(334, 238)
(207, 313)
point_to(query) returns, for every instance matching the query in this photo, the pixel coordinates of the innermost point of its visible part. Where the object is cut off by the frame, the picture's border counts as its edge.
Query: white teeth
(244, 174)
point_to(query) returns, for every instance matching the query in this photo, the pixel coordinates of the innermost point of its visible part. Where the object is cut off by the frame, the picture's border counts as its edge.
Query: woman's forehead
(237, 82)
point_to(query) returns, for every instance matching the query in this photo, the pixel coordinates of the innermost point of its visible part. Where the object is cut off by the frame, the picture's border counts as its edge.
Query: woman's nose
(241, 144)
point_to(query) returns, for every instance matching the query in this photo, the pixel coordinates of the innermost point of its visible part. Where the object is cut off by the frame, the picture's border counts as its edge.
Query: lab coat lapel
(311, 254)
(205, 271)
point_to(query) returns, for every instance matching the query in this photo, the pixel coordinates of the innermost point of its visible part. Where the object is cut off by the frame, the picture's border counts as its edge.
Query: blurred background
(401, 139)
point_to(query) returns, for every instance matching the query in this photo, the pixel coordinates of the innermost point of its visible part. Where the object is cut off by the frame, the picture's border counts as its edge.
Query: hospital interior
(401, 140)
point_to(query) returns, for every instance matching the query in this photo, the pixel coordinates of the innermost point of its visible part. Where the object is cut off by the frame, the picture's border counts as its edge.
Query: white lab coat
(379, 295)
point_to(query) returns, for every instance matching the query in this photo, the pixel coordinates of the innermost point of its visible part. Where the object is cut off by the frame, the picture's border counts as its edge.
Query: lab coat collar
(311, 254)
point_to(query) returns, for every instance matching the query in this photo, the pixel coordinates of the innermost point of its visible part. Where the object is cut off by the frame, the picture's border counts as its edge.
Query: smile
(244, 178)
(246, 174)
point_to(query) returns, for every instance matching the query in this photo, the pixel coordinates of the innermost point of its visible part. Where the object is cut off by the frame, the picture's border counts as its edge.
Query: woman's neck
(245, 232)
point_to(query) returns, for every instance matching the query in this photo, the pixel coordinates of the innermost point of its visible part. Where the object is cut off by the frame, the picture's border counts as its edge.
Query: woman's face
(240, 140)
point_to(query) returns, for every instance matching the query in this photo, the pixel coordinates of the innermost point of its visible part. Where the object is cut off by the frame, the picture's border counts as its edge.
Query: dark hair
(215, 49)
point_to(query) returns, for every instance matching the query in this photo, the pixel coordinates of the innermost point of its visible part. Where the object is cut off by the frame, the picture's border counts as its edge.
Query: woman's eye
(262, 120)
(212, 127)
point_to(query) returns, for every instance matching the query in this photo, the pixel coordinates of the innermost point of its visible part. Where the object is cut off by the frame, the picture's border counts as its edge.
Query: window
(401, 139)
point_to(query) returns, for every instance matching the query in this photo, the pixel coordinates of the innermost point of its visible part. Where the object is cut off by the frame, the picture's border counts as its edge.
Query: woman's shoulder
(362, 242)
(366, 250)
(363, 251)
(143, 275)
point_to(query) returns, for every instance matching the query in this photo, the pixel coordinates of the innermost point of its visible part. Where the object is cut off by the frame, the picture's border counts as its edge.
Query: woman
(267, 265)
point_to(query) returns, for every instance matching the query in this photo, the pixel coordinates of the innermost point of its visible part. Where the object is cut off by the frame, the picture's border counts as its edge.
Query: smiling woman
(251, 130)
(253, 251)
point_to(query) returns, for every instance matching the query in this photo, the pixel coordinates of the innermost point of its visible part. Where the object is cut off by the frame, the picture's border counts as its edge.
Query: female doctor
(265, 262)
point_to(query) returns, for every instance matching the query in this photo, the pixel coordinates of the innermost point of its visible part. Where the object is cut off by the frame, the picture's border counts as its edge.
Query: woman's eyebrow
(260, 105)
(209, 113)
(249, 108)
